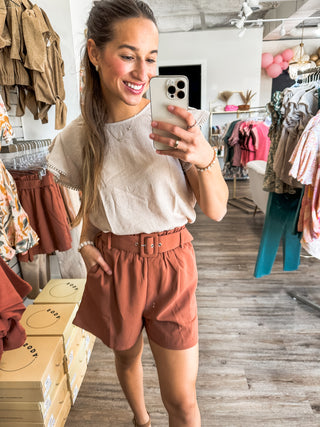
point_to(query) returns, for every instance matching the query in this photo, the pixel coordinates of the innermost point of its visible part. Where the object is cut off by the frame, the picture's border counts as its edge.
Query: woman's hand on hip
(92, 256)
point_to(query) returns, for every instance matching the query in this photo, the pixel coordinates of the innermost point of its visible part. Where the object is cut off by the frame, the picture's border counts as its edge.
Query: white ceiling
(195, 15)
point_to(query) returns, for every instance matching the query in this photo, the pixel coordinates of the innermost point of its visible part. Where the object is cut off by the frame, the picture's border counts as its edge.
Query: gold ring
(189, 127)
(176, 144)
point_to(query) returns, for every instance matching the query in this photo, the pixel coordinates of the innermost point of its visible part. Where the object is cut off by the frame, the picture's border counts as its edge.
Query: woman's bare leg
(130, 374)
(177, 371)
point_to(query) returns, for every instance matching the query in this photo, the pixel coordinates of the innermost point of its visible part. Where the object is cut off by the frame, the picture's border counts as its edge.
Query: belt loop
(182, 242)
(109, 241)
(185, 237)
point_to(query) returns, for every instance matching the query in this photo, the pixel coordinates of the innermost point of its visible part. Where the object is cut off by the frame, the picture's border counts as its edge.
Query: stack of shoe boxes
(62, 292)
(33, 384)
(40, 380)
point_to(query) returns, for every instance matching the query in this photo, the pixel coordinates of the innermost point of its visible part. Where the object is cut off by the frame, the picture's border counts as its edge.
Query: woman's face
(128, 61)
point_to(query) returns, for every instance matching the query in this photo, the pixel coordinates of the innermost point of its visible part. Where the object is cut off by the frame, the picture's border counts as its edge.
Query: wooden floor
(259, 348)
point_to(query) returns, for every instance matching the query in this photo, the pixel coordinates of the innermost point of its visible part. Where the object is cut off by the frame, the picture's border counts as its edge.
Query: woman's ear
(93, 52)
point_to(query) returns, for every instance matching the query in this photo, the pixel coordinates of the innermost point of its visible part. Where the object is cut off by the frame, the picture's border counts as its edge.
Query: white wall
(275, 47)
(232, 63)
(67, 18)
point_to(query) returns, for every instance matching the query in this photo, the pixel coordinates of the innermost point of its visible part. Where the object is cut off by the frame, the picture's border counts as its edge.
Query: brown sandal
(147, 424)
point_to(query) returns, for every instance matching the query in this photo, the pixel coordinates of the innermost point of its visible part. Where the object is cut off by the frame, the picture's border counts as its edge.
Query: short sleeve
(64, 160)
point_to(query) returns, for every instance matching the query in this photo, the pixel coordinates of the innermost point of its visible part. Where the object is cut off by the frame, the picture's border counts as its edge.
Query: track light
(254, 4)
(240, 22)
(246, 9)
(282, 30)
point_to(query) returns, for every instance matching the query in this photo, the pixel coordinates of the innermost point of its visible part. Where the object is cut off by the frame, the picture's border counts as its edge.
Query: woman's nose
(140, 71)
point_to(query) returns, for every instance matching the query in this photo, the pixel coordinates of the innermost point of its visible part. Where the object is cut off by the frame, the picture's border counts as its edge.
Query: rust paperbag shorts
(154, 291)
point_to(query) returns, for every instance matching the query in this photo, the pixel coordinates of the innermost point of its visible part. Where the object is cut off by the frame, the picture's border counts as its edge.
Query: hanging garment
(306, 168)
(16, 233)
(5, 126)
(31, 60)
(302, 107)
(280, 223)
(254, 141)
(41, 199)
(272, 183)
(48, 85)
(36, 273)
(12, 290)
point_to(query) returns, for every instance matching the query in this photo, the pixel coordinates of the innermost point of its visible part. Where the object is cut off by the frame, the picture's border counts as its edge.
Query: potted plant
(246, 98)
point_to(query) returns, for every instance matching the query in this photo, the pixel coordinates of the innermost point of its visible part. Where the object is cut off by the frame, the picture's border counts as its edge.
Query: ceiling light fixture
(282, 30)
(247, 11)
(254, 4)
(239, 23)
(257, 21)
(302, 63)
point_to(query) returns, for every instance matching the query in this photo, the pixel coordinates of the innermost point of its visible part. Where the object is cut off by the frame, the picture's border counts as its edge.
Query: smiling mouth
(134, 86)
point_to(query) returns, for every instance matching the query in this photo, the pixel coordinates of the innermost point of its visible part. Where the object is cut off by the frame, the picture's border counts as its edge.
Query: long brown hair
(102, 18)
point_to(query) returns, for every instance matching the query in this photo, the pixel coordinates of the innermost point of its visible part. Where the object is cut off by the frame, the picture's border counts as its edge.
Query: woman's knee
(181, 405)
(127, 358)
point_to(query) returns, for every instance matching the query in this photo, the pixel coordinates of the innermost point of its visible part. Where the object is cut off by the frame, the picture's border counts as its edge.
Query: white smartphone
(165, 91)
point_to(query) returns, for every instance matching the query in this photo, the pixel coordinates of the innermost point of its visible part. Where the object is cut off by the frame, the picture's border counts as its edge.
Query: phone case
(165, 91)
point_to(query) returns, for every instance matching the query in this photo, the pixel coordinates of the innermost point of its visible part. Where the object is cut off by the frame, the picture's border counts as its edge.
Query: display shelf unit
(236, 114)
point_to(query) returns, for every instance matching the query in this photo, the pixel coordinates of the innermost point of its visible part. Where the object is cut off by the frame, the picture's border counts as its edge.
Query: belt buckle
(149, 245)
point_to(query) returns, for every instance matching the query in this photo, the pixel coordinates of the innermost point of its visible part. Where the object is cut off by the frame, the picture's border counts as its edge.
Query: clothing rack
(244, 203)
(310, 75)
(240, 112)
(26, 154)
(26, 144)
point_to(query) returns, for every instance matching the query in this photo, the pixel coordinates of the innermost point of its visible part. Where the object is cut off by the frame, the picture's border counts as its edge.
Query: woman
(135, 204)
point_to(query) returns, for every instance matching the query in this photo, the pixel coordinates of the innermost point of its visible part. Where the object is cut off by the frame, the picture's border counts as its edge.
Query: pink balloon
(266, 60)
(274, 70)
(287, 55)
(284, 65)
(278, 59)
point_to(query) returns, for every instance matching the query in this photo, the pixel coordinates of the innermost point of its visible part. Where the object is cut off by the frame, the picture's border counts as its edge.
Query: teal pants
(280, 223)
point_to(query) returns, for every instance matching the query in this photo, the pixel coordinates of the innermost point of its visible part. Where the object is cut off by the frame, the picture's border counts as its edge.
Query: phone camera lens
(180, 94)
(171, 89)
(181, 84)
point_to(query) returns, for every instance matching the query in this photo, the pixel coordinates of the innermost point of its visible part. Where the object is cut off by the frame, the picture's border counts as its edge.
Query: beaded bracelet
(210, 164)
(86, 243)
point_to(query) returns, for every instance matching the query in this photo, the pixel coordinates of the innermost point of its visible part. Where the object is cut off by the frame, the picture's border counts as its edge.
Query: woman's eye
(151, 61)
(127, 58)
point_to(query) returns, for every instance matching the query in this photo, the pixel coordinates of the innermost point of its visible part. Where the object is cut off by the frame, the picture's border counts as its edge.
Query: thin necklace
(120, 138)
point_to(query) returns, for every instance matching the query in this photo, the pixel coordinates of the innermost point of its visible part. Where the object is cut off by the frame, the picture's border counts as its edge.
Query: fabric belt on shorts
(148, 245)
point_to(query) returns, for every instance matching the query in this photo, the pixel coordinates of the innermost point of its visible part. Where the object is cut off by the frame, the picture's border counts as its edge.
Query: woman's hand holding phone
(175, 131)
(188, 144)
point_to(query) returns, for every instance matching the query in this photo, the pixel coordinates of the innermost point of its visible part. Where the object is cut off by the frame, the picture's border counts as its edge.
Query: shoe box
(30, 372)
(61, 291)
(50, 320)
(39, 413)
